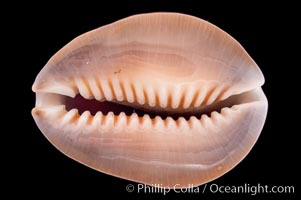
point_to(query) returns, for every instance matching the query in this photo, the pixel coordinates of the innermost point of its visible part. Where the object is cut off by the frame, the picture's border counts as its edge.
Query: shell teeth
(182, 123)
(214, 95)
(205, 121)
(129, 95)
(216, 117)
(223, 93)
(117, 89)
(70, 116)
(176, 97)
(108, 120)
(107, 89)
(84, 118)
(179, 97)
(83, 88)
(201, 96)
(226, 111)
(97, 119)
(208, 95)
(138, 93)
(121, 120)
(195, 96)
(189, 95)
(96, 89)
(170, 123)
(163, 97)
(133, 120)
(195, 123)
(151, 96)
(146, 121)
(158, 123)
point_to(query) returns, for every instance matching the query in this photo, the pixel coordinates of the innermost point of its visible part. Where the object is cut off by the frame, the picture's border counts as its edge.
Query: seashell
(159, 98)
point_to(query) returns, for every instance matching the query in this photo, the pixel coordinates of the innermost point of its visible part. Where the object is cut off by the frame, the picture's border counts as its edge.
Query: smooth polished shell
(159, 98)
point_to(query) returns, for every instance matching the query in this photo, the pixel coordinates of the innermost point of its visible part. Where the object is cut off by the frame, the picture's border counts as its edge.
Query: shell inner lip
(117, 107)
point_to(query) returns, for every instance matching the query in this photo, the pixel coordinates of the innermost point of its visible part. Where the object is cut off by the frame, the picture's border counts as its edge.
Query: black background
(38, 31)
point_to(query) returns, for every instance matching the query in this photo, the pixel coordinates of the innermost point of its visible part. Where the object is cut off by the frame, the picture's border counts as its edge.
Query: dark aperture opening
(92, 105)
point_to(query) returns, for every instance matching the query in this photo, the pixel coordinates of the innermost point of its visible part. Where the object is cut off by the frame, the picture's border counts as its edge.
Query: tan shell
(160, 62)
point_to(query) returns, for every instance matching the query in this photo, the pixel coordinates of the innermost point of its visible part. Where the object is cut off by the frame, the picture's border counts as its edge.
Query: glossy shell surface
(178, 100)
